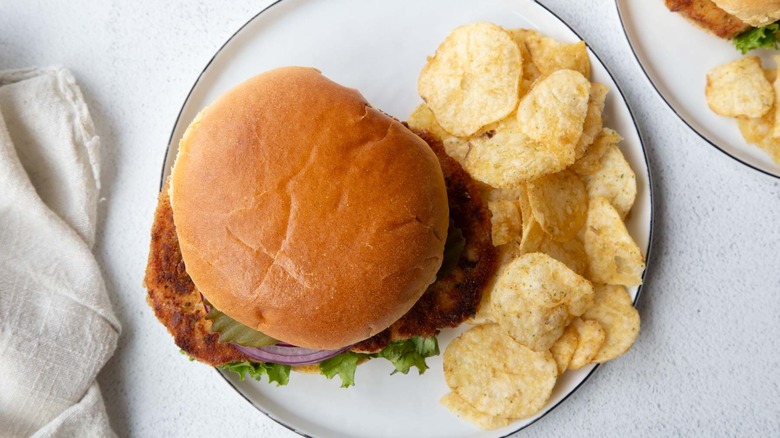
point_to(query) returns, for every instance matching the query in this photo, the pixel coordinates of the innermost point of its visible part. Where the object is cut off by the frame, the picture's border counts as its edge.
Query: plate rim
(640, 135)
(671, 107)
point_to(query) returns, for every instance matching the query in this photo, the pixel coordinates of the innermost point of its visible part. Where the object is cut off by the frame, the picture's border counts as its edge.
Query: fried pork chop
(446, 303)
(709, 16)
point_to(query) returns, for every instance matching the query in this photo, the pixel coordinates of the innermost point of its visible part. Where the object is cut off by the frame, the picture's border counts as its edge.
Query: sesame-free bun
(303, 212)
(753, 12)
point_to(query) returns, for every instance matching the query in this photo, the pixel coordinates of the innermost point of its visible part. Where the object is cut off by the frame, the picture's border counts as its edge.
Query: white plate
(379, 47)
(676, 56)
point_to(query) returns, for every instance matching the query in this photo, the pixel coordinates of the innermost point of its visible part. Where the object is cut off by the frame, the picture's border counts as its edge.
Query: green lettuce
(402, 354)
(279, 374)
(343, 365)
(758, 37)
(410, 353)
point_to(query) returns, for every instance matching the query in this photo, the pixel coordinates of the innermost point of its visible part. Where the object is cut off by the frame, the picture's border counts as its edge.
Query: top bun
(303, 212)
(753, 12)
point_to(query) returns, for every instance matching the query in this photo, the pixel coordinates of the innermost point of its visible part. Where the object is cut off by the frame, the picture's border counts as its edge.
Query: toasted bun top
(753, 12)
(303, 212)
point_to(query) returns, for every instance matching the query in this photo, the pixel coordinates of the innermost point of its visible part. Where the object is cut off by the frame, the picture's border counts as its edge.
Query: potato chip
(422, 118)
(772, 77)
(504, 157)
(484, 314)
(593, 120)
(763, 131)
(493, 194)
(464, 410)
(559, 203)
(571, 253)
(549, 55)
(590, 338)
(613, 309)
(505, 221)
(553, 112)
(532, 237)
(530, 72)
(613, 256)
(739, 88)
(591, 161)
(563, 349)
(498, 376)
(759, 132)
(615, 180)
(756, 130)
(473, 79)
(770, 73)
(532, 232)
(534, 297)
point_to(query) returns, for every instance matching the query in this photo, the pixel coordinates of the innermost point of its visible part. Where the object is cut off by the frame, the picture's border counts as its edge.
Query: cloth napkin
(57, 328)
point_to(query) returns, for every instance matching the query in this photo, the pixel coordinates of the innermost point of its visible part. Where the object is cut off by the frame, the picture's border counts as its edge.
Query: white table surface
(706, 362)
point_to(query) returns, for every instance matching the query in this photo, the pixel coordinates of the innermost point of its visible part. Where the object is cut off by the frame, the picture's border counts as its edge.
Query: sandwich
(750, 24)
(303, 229)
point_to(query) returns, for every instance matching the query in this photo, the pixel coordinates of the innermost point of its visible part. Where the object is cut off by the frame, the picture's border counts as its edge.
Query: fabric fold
(57, 328)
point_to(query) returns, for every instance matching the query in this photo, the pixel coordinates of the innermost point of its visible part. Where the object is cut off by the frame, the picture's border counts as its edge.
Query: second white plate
(676, 56)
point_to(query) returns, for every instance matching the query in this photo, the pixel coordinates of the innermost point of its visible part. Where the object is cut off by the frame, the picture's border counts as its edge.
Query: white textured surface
(707, 359)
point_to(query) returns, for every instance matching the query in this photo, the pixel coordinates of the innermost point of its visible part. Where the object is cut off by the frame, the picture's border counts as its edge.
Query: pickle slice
(232, 331)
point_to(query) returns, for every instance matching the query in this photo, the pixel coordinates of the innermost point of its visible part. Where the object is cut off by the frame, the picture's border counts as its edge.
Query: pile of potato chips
(745, 90)
(517, 109)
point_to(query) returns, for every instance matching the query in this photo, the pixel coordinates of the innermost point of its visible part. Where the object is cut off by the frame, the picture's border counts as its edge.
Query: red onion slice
(287, 354)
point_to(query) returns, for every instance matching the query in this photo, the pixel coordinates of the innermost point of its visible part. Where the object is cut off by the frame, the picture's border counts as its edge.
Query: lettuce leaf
(344, 365)
(279, 374)
(758, 37)
(410, 353)
(402, 354)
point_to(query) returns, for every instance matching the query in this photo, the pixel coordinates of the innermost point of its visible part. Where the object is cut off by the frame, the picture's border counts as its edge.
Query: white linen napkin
(57, 328)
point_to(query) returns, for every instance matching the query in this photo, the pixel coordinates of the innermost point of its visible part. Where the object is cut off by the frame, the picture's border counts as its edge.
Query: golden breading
(708, 16)
(172, 295)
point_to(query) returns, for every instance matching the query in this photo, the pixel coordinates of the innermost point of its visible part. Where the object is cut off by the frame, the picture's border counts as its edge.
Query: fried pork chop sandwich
(750, 24)
(302, 227)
